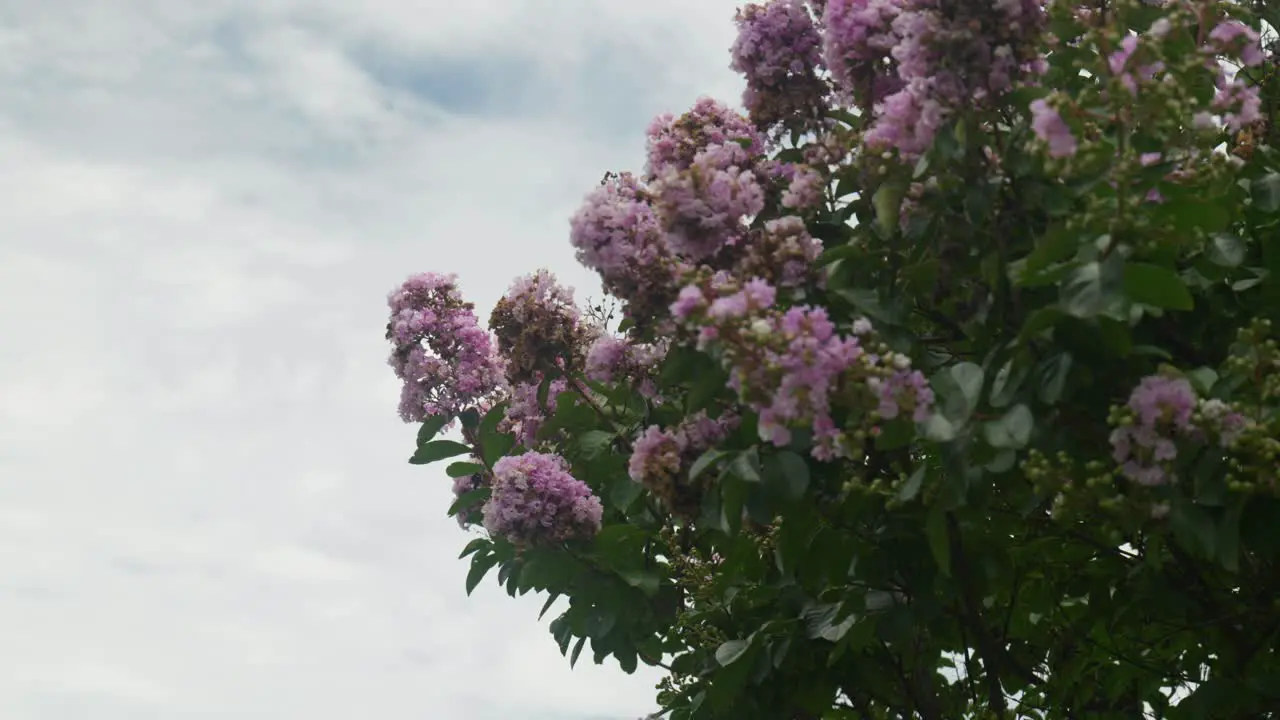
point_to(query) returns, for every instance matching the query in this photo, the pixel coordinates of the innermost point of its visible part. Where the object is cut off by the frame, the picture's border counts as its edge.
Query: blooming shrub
(945, 384)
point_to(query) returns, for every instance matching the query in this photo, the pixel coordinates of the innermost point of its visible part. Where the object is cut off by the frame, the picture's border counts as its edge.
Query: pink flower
(1049, 126)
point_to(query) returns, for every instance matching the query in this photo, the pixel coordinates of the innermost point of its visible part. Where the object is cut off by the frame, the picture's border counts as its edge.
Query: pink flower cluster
(707, 179)
(857, 45)
(616, 233)
(440, 352)
(659, 457)
(789, 365)
(1162, 410)
(782, 253)
(613, 359)
(524, 416)
(535, 500)
(779, 51)
(705, 207)
(946, 55)
(1049, 126)
(538, 328)
(674, 142)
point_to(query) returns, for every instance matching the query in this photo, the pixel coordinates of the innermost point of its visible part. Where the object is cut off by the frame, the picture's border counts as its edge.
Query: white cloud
(204, 506)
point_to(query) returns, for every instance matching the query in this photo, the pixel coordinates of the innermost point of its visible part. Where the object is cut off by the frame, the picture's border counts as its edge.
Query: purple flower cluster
(1161, 410)
(1049, 126)
(779, 51)
(1233, 37)
(905, 390)
(858, 41)
(538, 328)
(660, 458)
(536, 500)
(674, 142)
(655, 456)
(440, 352)
(704, 207)
(615, 229)
(524, 416)
(1239, 103)
(788, 365)
(805, 189)
(613, 359)
(781, 253)
(809, 360)
(945, 55)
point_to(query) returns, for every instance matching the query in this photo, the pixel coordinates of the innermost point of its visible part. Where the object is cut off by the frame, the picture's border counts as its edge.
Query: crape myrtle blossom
(536, 501)
(660, 458)
(1161, 411)
(788, 365)
(779, 52)
(674, 142)
(781, 253)
(1049, 126)
(444, 358)
(539, 328)
(805, 189)
(616, 233)
(524, 416)
(946, 55)
(613, 359)
(706, 206)
(857, 46)
(1232, 37)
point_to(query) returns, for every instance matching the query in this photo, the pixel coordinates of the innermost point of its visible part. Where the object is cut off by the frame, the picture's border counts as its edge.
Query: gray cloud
(204, 506)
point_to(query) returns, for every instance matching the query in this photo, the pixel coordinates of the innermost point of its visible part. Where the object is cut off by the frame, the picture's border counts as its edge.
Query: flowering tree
(943, 386)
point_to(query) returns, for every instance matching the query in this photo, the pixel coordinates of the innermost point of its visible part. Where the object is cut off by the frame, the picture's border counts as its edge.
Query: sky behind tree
(204, 506)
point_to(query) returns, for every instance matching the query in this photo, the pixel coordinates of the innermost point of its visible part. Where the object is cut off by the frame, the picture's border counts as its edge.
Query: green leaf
(1156, 286)
(1011, 431)
(1203, 379)
(888, 203)
(968, 378)
(746, 466)
(1007, 382)
(789, 472)
(481, 564)
(645, 581)
(438, 450)
(547, 605)
(475, 546)
(1091, 288)
(470, 418)
(1265, 192)
(731, 652)
(939, 429)
(1228, 540)
(463, 469)
(432, 427)
(595, 443)
(733, 495)
(1194, 528)
(1053, 378)
(1197, 215)
(935, 530)
(577, 651)
(911, 488)
(704, 461)
(1226, 250)
(469, 499)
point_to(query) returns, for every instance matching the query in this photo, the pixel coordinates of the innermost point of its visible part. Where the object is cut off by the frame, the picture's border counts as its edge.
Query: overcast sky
(205, 510)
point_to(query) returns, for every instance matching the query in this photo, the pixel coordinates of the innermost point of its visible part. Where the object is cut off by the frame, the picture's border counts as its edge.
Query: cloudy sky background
(205, 510)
